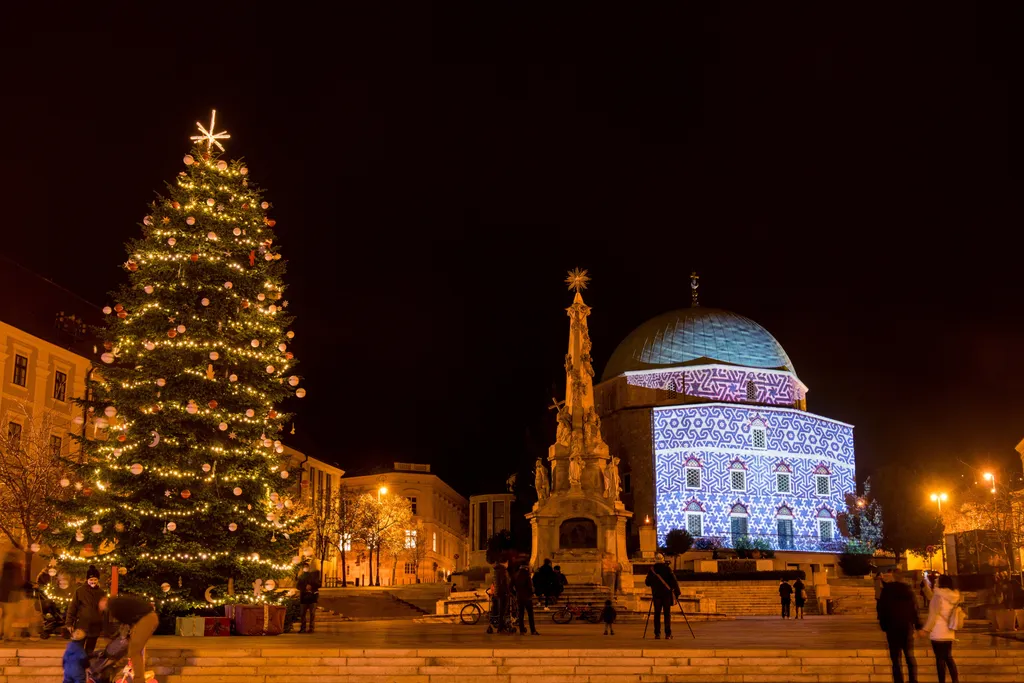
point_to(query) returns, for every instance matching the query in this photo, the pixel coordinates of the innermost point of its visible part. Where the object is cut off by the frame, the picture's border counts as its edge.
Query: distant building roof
(46, 310)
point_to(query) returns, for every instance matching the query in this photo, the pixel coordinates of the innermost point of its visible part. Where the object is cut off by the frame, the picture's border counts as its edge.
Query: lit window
(346, 543)
(410, 568)
(13, 436)
(738, 479)
(759, 437)
(825, 529)
(20, 370)
(435, 541)
(693, 477)
(55, 445)
(783, 482)
(751, 391)
(60, 385)
(695, 524)
(822, 485)
(410, 538)
(412, 501)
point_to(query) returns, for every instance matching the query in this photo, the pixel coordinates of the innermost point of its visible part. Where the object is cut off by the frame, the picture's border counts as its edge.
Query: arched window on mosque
(758, 436)
(751, 390)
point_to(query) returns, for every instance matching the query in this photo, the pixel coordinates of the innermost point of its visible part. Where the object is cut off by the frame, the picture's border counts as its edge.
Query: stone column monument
(580, 523)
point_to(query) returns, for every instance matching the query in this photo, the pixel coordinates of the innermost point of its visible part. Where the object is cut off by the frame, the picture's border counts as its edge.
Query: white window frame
(792, 531)
(828, 485)
(686, 478)
(732, 482)
(53, 388)
(700, 520)
(738, 515)
(789, 482)
(755, 429)
(410, 539)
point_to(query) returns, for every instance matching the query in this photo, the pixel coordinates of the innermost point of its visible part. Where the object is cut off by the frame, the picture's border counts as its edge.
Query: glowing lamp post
(939, 499)
(988, 476)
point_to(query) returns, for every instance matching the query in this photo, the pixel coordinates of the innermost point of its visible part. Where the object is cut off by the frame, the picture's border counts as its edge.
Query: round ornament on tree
(237, 491)
(79, 536)
(300, 392)
(186, 494)
(107, 310)
(148, 289)
(190, 220)
(171, 241)
(236, 232)
(222, 165)
(189, 160)
(161, 382)
(205, 301)
(232, 527)
(228, 285)
(171, 526)
(136, 469)
(165, 587)
(107, 357)
(65, 482)
(206, 467)
(191, 408)
(96, 528)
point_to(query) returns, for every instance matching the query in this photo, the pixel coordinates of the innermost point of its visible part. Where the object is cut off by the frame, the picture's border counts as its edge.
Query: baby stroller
(53, 619)
(495, 620)
(104, 667)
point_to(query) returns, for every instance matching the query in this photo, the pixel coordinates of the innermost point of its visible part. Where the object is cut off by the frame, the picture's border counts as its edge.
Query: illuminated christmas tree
(182, 483)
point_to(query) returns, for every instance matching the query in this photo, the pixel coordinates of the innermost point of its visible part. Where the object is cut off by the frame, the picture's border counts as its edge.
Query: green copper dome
(694, 335)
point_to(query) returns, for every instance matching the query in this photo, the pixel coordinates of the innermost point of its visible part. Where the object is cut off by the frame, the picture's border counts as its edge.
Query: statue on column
(575, 470)
(564, 432)
(611, 480)
(541, 481)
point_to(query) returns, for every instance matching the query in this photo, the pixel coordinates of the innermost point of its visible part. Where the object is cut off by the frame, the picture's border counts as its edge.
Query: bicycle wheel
(590, 616)
(561, 616)
(470, 614)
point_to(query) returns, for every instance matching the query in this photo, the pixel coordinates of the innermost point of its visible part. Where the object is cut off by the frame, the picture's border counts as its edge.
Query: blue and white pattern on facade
(789, 491)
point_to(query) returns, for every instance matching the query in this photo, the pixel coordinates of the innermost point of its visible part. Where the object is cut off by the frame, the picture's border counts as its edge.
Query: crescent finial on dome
(694, 284)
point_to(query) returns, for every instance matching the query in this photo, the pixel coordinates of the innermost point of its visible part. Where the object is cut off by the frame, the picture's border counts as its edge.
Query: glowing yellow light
(208, 136)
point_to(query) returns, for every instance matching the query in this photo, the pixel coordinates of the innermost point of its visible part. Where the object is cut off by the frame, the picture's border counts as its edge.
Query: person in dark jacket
(898, 617)
(799, 598)
(502, 589)
(544, 580)
(664, 592)
(522, 583)
(11, 579)
(137, 613)
(84, 610)
(559, 582)
(785, 592)
(309, 596)
(608, 615)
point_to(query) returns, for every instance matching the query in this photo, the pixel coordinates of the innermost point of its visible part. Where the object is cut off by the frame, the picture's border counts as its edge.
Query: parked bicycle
(569, 611)
(471, 613)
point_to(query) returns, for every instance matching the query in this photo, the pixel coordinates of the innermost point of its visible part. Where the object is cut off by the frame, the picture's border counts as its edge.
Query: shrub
(788, 575)
(737, 566)
(708, 543)
(762, 546)
(677, 542)
(855, 564)
(743, 547)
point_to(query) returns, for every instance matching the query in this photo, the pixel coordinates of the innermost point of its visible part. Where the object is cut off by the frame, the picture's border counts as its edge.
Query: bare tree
(30, 473)
(379, 516)
(348, 515)
(324, 532)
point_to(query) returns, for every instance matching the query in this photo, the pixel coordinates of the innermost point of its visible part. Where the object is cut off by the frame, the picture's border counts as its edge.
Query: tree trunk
(370, 582)
(28, 564)
(378, 565)
(394, 568)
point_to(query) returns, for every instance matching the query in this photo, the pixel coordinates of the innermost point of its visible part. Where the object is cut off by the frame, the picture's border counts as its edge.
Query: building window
(825, 529)
(20, 370)
(751, 391)
(783, 482)
(55, 445)
(435, 541)
(346, 543)
(693, 477)
(412, 502)
(499, 516)
(410, 538)
(738, 480)
(738, 527)
(785, 530)
(695, 524)
(627, 481)
(13, 436)
(60, 385)
(759, 437)
(822, 485)
(410, 568)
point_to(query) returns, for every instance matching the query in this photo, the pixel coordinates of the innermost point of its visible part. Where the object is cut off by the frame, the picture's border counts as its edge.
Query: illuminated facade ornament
(209, 136)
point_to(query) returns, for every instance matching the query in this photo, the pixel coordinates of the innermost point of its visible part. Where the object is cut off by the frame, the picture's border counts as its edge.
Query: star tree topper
(577, 279)
(208, 136)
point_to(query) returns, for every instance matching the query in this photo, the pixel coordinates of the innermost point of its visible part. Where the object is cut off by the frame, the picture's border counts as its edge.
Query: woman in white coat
(942, 636)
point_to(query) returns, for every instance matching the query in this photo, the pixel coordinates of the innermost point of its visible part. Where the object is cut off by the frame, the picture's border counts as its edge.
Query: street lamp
(939, 499)
(382, 491)
(988, 476)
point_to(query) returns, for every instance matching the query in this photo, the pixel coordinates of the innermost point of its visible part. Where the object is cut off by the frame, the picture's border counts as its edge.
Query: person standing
(11, 579)
(664, 592)
(785, 593)
(799, 597)
(502, 589)
(897, 616)
(608, 615)
(309, 595)
(523, 585)
(137, 613)
(84, 610)
(945, 598)
(559, 583)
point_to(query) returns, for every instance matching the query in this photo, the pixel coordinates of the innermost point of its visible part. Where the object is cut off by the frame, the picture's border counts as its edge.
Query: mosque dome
(690, 336)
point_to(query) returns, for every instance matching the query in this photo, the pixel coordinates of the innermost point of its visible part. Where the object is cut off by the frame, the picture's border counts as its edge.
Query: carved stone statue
(564, 432)
(592, 426)
(575, 470)
(611, 480)
(540, 480)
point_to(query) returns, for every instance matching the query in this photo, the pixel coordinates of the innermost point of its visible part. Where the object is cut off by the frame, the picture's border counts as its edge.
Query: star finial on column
(577, 279)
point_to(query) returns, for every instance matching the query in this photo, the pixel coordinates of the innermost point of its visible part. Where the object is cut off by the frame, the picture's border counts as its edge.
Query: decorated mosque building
(709, 417)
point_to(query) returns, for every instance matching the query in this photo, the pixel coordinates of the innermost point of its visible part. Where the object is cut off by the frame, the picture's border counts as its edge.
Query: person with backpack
(945, 617)
(799, 597)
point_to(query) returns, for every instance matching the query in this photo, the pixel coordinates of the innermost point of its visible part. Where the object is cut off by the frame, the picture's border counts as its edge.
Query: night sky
(841, 175)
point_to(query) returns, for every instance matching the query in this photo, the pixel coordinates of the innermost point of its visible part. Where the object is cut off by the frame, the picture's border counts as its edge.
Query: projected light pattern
(724, 383)
(718, 439)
